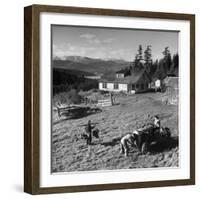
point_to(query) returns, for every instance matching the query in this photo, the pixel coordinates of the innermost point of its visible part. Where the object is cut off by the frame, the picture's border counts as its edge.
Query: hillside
(91, 65)
(66, 79)
(78, 73)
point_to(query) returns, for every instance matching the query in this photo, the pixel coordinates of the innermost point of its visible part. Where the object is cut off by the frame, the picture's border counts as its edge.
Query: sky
(110, 43)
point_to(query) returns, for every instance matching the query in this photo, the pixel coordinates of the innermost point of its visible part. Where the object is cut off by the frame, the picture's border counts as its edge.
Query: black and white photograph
(114, 98)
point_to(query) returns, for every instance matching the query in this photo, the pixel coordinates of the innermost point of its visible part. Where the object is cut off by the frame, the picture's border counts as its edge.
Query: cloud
(109, 40)
(54, 47)
(93, 39)
(71, 50)
(88, 36)
(120, 54)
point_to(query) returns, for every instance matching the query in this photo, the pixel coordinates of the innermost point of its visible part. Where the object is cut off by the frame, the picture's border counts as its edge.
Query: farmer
(112, 98)
(129, 139)
(156, 122)
(88, 130)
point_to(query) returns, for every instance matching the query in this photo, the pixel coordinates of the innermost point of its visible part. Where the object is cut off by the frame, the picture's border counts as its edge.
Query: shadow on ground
(165, 144)
(111, 143)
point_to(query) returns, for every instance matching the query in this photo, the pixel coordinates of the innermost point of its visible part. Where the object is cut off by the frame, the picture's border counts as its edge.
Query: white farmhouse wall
(110, 87)
(123, 87)
(101, 86)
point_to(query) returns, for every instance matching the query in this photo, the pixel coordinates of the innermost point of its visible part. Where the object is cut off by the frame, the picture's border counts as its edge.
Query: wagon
(146, 138)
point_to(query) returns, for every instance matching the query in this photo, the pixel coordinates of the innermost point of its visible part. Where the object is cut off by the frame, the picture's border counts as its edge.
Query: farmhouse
(137, 81)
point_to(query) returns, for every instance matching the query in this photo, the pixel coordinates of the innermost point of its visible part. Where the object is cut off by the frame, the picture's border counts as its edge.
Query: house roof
(121, 71)
(162, 76)
(133, 78)
(155, 79)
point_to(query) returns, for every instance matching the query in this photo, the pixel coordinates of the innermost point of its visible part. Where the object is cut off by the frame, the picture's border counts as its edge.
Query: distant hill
(66, 79)
(86, 64)
(78, 73)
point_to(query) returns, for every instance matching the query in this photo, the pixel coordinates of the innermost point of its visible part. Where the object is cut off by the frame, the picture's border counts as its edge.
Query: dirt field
(70, 153)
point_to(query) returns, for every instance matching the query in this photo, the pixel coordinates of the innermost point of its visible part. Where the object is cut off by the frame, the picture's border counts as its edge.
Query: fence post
(59, 113)
(111, 98)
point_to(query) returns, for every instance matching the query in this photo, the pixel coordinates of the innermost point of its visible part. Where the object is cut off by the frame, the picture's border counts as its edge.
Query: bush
(102, 92)
(71, 97)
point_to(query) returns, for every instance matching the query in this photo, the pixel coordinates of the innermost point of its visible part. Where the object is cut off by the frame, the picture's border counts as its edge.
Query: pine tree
(154, 68)
(148, 59)
(175, 63)
(167, 59)
(138, 65)
(148, 55)
(139, 56)
(166, 52)
(175, 60)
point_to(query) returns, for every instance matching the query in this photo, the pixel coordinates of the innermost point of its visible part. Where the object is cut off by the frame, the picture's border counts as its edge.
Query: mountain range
(91, 65)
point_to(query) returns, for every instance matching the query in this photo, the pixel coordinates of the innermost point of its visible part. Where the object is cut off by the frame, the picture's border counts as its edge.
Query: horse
(142, 138)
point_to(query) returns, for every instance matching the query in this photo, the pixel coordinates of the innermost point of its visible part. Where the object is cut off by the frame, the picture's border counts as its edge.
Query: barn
(138, 81)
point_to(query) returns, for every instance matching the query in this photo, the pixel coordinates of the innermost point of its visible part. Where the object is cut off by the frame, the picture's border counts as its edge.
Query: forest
(159, 68)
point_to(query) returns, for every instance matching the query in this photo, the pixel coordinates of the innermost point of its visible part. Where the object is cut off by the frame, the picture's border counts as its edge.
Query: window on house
(147, 85)
(120, 75)
(137, 86)
(142, 86)
(116, 86)
(133, 86)
(105, 85)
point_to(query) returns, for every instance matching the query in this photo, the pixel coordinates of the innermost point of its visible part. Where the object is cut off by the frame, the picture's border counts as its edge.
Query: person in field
(126, 141)
(88, 130)
(157, 126)
(157, 121)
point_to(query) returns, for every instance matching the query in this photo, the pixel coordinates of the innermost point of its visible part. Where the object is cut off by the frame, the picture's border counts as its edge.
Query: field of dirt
(70, 153)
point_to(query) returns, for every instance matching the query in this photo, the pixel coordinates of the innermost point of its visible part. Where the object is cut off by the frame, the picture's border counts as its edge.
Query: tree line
(159, 68)
(64, 81)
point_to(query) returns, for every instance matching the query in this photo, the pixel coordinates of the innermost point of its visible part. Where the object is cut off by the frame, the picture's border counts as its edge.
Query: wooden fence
(105, 102)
